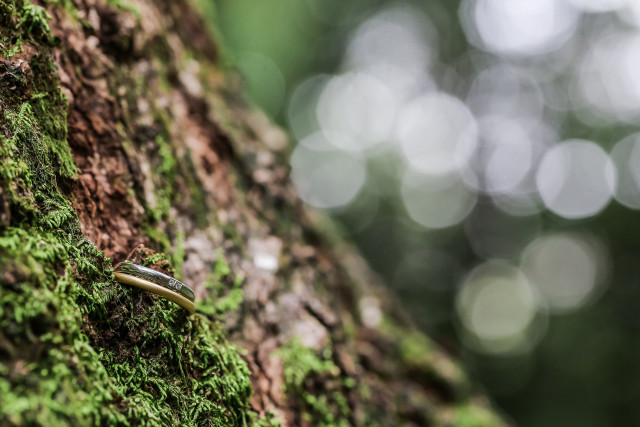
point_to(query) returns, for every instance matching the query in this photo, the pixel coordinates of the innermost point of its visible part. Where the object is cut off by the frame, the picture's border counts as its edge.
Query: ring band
(156, 282)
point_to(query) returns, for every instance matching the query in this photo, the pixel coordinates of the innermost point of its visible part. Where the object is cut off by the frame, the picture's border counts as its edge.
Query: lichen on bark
(119, 127)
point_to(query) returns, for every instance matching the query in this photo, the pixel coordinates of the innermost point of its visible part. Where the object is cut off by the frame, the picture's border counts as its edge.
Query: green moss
(224, 288)
(232, 234)
(196, 192)
(178, 254)
(302, 368)
(165, 167)
(52, 376)
(269, 420)
(34, 21)
(473, 415)
(425, 362)
(416, 349)
(159, 221)
(124, 5)
(76, 347)
(179, 370)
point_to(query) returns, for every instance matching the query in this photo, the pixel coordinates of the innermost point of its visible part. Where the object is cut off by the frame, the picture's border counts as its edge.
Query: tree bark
(123, 136)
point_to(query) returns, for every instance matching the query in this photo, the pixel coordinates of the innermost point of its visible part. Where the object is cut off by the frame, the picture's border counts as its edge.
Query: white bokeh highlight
(519, 28)
(326, 177)
(626, 156)
(630, 13)
(499, 309)
(567, 269)
(507, 91)
(436, 201)
(507, 155)
(576, 179)
(301, 115)
(360, 107)
(611, 92)
(599, 6)
(437, 134)
(397, 45)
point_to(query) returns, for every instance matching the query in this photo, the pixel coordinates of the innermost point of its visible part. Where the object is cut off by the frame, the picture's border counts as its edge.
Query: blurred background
(484, 155)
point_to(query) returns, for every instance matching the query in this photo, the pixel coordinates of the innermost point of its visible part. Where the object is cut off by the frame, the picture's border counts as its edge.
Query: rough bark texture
(120, 130)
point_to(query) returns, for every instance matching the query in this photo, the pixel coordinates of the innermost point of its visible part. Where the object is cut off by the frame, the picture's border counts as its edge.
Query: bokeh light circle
(359, 106)
(401, 36)
(626, 156)
(396, 46)
(507, 154)
(612, 93)
(519, 28)
(499, 310)
(506, 91)
(567, 269)
(576, 179)
(598, 5)
(325, 177)
(437, 133)
(436, 201)
(301, 110)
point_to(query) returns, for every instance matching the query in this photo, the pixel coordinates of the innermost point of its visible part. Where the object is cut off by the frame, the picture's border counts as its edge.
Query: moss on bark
(116, 131)
(165, 368)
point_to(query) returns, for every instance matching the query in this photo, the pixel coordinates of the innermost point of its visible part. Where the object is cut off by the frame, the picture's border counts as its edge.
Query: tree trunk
(121, 129)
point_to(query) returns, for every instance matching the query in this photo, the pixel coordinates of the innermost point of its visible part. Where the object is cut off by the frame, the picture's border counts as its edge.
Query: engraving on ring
(175, 284)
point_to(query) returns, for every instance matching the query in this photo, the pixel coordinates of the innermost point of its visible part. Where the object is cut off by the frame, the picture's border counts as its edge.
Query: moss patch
(219, 300)
(423, 361)
(304, 371)
(77, 348)
(472, 415)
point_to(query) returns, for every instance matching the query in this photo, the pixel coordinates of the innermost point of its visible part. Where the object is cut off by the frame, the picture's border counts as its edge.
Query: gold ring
(156, 282)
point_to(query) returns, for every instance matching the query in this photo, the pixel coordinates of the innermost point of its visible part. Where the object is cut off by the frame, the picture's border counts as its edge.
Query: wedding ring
(156, 282)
